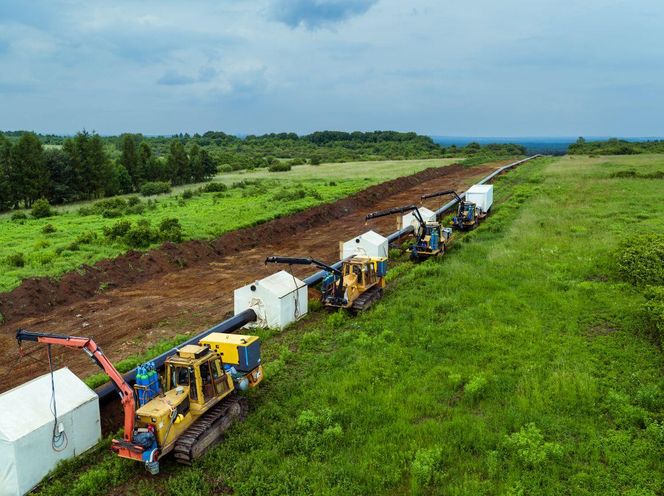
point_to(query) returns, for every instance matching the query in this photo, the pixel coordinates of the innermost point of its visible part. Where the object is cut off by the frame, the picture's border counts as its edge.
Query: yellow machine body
(230, 346)
(194, 381)
(361, 274)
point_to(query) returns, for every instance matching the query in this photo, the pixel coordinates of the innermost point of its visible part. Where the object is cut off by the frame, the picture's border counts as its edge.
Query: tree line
(84, 168)
(87, 166)
(614, 146)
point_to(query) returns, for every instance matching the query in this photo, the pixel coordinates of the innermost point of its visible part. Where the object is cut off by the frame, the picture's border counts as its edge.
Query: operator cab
(201, 371)
(363, 269)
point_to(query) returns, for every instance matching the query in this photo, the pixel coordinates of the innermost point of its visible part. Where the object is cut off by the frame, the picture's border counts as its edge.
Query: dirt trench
(188, 287)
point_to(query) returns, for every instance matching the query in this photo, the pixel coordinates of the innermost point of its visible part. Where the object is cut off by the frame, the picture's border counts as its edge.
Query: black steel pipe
(314, 279)
(107, 391)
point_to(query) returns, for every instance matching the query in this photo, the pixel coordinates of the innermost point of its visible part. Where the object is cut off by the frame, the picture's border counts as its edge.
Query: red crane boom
(127, 448)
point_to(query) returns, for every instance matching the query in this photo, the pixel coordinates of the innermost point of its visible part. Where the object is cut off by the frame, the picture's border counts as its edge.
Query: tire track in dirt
(188, 287)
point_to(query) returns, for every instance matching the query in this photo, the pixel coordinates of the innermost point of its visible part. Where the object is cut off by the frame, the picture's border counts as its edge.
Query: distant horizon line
(433, 136)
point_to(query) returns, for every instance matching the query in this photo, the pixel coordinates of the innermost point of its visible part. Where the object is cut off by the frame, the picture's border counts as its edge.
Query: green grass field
(519, 364)
(202, 217)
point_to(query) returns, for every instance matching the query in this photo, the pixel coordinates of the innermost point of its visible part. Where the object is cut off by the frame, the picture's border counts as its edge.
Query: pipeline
(236, 322)
(485, 180)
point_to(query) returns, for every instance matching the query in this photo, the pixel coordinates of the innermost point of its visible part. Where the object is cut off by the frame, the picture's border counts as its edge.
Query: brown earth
(188, 287)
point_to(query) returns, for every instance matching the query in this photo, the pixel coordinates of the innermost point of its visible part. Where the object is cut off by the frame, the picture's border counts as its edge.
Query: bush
(529, 448)
(280, 168)
(86, 238)
(314, 160)
(117, 230)
(476, 387)
(187, 194)
(15, 260)
(49, 229)
(623, 174)
(155, 188)
(19, 216)
(133, 201)
(111, 208)
(111, 214)
(641, 260)
(114, 203)
(137, 209)
(41, 208)
(170, 230)
(215, 187)
(295, 194)
(426, 468)
(654, 308)
(140, 236)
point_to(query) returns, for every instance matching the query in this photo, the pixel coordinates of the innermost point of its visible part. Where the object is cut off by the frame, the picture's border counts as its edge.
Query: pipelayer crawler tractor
(356, 286)
(430, 237)
(197, 404)
(472, 208)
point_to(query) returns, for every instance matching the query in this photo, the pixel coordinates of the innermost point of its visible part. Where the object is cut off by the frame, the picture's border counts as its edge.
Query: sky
(438, 67)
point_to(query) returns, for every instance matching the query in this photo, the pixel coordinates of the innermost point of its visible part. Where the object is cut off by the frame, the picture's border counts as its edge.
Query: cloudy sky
(445, 67)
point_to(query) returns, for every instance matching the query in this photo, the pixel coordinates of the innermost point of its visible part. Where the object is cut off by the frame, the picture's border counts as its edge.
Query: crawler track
(365, 300)
(209, 429)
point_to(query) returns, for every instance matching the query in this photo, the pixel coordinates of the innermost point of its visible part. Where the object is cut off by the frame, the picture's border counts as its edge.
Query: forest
(88, 166)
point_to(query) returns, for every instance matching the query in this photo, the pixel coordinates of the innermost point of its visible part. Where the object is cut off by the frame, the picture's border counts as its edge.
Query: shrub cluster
(214, 187)
(632, 174)
(15, 260)
(641, 260)
(49, 229)
(41, 208)
(155, 188)
(142, 235)
(285, 194)
(641, 263)
(654, 307)
(278, 167)
(528, 447)
(426, 469)
(111, 208)
(82, 239)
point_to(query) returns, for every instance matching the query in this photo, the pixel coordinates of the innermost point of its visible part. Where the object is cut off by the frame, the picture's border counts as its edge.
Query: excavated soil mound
(39, 295)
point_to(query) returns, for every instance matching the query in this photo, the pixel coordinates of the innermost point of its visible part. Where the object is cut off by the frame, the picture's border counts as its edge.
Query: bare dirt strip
(188, 287)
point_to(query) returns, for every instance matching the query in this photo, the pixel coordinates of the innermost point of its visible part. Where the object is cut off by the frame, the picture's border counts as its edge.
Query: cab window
(206, 382)
(181, 376)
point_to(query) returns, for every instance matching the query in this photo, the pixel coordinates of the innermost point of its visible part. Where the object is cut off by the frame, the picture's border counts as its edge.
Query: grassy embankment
(518, 364)
(78, 239)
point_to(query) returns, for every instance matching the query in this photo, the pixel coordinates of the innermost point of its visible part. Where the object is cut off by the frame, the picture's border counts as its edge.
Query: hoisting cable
(59, 440)
(296, 312)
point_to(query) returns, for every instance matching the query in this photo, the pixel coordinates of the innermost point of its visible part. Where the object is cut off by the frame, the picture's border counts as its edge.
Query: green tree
(120, 181)
(63, 178)
(28, 175)
(6, 197)
(150, 165)
(195, 165)
(472, 148)
(208, 164)
(100, 165)
(73, 156)
(178, 163)
(130, 158)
